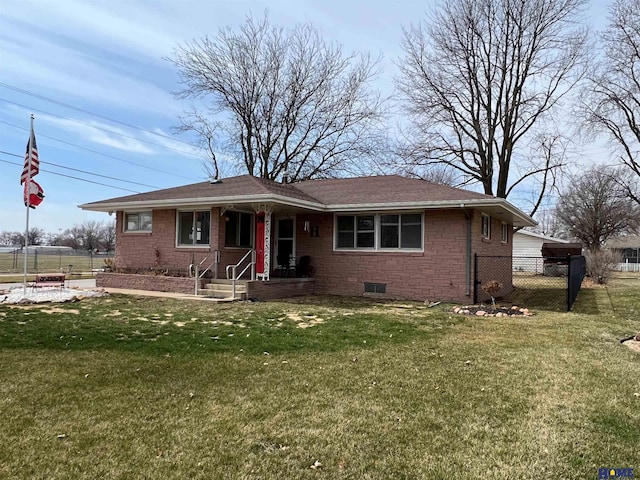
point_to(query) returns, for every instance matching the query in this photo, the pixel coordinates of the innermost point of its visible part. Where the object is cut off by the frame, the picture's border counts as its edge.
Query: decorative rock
(481, 313)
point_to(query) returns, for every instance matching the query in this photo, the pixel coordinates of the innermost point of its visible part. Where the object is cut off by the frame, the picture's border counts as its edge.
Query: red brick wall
(158, 248)
(156, 283)
(438, 273)
(499, 268)
(280, 288)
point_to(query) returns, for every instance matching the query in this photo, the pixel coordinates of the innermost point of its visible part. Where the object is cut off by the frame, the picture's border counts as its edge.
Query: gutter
(469, 216)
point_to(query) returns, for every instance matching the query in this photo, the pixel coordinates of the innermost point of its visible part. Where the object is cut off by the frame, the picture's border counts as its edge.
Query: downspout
(468, 215)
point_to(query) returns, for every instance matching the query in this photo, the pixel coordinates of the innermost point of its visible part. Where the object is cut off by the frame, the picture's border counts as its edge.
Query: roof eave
(520, 219)
(202, 201)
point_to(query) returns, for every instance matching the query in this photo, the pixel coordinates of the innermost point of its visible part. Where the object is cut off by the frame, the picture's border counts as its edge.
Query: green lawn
(127, 387)
(50, 262)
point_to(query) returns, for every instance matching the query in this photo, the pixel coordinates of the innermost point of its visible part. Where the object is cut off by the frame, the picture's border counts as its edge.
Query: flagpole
(27, 203)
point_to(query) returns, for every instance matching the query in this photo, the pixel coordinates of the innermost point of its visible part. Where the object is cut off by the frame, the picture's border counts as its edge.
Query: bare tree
(291, 102)
(107, 236)
(208, 133)
(549, 224)
(86, 236)
(612, 103)
(480, 80)
(10, 239)
(595, 207)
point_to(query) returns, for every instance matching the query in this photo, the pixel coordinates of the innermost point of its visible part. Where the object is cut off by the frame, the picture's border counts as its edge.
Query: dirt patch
(633, 345)
(305, 321)
(60, 310)
(488, 311)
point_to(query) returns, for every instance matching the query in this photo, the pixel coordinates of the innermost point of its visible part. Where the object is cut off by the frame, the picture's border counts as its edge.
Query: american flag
(35, 163)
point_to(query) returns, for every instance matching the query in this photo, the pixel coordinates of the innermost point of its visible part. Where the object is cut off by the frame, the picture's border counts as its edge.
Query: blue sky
(77, 63)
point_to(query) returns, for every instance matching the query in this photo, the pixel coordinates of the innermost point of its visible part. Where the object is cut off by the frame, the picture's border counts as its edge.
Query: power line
(75, 178)
(66, 105)
(173, 174)
(84, 171)
(80, 122)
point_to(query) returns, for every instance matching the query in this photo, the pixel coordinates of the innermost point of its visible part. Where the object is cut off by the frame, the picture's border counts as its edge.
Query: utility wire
(80, 122)
(88, 112)
(173, 174)
(75, 178)
(86, 172)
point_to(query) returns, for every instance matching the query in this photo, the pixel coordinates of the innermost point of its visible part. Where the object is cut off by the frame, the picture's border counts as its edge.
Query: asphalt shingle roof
(382, 189)
(227, 187)
(341, 194)
(360, 190)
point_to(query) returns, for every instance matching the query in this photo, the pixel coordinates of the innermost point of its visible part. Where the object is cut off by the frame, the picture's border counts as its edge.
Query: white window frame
(125, 222)
(505, 232)
(192, 245)
(293, 239)
(252, 234)
(355, 232)
(486, 226)
(377, 231)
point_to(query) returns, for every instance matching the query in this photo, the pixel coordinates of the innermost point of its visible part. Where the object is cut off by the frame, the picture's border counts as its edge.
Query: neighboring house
(527, 250)
(629, 250)
(389, 235)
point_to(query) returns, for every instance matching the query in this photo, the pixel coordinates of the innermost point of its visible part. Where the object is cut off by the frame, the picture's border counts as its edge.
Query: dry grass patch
(375, 391)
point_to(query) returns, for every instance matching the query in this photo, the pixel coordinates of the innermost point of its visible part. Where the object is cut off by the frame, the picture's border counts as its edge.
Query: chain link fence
(52, 259)
(531, 282)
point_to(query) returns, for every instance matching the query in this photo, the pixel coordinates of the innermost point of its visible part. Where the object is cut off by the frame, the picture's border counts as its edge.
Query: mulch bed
(489, 311)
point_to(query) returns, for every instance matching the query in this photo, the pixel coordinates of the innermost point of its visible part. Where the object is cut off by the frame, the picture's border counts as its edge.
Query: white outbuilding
(527, 250)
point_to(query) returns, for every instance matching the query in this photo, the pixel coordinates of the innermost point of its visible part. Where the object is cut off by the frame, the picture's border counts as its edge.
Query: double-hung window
(194, 228)
(505, 233)
(238, 229)
(486, 226)
(355, 231)
(379, 232)
(138, 222)
(401, 231)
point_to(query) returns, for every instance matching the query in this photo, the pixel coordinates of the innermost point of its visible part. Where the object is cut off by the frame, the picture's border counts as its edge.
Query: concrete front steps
(222, 289)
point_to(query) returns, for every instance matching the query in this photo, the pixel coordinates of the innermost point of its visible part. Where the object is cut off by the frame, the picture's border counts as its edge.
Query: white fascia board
(524, 220)
(202, 202)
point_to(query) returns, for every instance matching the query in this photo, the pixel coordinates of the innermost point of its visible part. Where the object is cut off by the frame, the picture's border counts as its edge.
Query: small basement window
(375, 287)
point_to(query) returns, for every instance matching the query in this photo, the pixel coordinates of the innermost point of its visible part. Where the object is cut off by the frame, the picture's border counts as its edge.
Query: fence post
(569, 282)
(475, 278)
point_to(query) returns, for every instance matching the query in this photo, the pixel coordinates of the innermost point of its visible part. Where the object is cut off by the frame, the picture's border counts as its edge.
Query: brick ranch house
(382, 235)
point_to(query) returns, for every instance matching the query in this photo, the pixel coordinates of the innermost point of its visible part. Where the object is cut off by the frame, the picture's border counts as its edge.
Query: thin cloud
(122, 28)
(93, 131)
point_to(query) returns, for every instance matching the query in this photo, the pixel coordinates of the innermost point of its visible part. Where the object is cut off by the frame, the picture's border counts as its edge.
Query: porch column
(264, 211)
